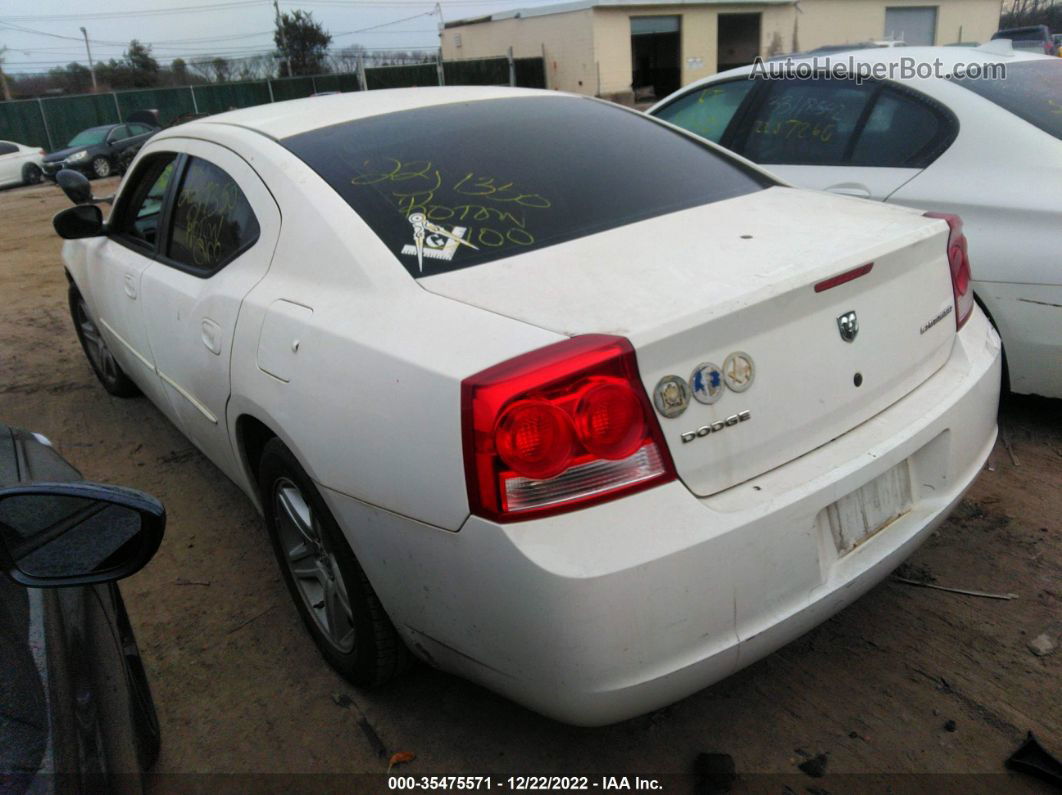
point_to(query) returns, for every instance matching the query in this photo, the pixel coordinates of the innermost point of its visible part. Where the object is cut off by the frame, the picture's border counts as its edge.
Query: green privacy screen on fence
(50, 123)
(22, 121)
(171, 103)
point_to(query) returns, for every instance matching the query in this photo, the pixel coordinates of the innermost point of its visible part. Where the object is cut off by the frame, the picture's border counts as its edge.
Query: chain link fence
(50, 122)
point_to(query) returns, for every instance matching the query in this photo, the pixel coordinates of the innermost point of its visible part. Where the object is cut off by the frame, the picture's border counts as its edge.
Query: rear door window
(213, 222)
(461, 184)
(807, 122)
(1031, 90)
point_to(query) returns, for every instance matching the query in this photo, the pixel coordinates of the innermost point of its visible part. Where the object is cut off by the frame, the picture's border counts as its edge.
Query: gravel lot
(241, 690)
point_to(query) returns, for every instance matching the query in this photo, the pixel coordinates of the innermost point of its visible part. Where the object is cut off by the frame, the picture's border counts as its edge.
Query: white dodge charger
(542, 390)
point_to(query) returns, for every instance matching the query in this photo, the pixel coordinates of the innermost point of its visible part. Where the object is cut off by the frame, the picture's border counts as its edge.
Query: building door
(738, 40)
(915, 26)
(656, 51)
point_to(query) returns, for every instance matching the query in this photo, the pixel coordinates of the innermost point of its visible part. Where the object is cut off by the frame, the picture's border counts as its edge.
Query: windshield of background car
(96, 135)
(451, 186)
(1031, 90)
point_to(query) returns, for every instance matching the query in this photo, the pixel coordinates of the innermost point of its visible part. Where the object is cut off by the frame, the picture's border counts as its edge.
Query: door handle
(850, 189)
(130, 286)
(212, 336)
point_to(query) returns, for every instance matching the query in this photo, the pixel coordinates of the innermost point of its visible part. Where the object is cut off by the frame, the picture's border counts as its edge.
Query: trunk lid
(738, 276)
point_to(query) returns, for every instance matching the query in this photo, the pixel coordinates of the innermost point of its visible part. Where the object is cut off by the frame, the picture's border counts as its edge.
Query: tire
(99, 356)
(356, 638)
(101, 167)
(31, 174)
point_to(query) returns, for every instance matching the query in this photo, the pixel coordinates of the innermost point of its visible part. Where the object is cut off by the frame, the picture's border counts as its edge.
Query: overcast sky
(196, 28)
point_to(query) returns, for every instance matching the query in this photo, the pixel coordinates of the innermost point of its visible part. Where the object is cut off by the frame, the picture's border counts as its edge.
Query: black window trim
(737, 133)
(162, 241)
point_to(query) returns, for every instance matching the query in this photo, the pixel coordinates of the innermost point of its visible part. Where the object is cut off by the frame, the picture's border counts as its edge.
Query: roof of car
(280, 120)
(948, 56)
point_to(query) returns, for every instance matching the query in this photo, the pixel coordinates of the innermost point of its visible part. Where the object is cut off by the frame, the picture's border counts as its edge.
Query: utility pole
(92, 68)
(283, 38)
(439, 56)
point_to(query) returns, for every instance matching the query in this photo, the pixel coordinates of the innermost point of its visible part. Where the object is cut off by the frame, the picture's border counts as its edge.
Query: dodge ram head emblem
(848, 325)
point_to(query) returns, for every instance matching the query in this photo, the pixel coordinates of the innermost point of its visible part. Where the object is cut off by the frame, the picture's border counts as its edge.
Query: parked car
(76, 712)
(967, 145)
(100, 151)
(592, 429)
(1057, 39)
(1034, 38)
(19, 164)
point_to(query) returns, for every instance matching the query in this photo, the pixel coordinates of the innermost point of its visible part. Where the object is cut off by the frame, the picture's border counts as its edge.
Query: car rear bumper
(602, 614)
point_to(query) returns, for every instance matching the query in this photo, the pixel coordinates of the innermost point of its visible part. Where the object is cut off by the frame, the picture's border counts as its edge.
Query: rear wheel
(31, 174)
(100, 358)
(101, 167)
(337, 604)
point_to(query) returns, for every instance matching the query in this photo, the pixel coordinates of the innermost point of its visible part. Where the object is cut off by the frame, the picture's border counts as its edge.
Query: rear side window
(708, 110)
(451, 186)
(901, 132)
(1031, 90)
(7, 149)
(213, 222)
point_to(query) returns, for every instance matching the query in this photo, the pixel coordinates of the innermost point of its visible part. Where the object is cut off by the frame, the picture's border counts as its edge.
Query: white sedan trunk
(695, 286)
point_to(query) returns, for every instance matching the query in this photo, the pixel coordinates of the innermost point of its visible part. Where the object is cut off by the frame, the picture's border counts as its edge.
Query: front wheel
(337, 604)
(31, 174)
(102, 361)
(101, 167)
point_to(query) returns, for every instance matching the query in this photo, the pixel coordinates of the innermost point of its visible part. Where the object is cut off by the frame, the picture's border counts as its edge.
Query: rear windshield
(89, 137)
(451, 186)
(1031, 90)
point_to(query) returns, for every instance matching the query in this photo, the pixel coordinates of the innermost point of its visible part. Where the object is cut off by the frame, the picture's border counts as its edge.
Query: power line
(124, 14)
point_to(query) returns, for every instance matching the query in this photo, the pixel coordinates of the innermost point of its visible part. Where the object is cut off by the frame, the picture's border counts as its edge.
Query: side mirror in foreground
(82, 220)
(76, 533)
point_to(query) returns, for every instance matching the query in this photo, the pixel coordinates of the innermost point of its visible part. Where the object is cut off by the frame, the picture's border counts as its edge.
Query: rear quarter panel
(1003, 177)
(371, 404)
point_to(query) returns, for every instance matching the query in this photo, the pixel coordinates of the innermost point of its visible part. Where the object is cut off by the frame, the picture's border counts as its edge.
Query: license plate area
(870, 509)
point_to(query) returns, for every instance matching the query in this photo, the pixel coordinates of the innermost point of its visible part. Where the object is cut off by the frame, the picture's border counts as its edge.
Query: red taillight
(959, 263)
(558, 428)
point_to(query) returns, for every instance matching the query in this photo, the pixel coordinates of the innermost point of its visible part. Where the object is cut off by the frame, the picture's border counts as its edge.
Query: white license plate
(857, 516)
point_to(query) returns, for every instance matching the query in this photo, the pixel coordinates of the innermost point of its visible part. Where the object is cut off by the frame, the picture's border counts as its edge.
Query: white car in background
(989, 150)
(593, 430)
(20, 164)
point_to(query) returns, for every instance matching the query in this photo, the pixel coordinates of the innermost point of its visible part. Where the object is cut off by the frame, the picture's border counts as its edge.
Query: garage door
(915, 26)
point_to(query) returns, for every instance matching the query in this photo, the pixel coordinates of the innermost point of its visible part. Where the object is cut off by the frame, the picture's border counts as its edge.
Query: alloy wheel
(95, 348)
(313, 565)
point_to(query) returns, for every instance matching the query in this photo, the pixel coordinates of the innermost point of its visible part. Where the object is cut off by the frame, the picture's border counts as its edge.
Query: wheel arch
(251, 437)
(1002, 344)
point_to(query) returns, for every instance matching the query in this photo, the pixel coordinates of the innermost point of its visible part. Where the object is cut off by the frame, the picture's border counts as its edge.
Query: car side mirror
(59, 534)
(83, 220)
(75, 185)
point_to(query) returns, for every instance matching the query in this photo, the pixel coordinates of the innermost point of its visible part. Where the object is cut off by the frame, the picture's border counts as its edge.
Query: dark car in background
(1036, 38)
(76, 711)
(100, 151)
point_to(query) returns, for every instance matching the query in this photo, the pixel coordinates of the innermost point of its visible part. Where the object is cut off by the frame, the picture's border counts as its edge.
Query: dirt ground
(241, 690)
